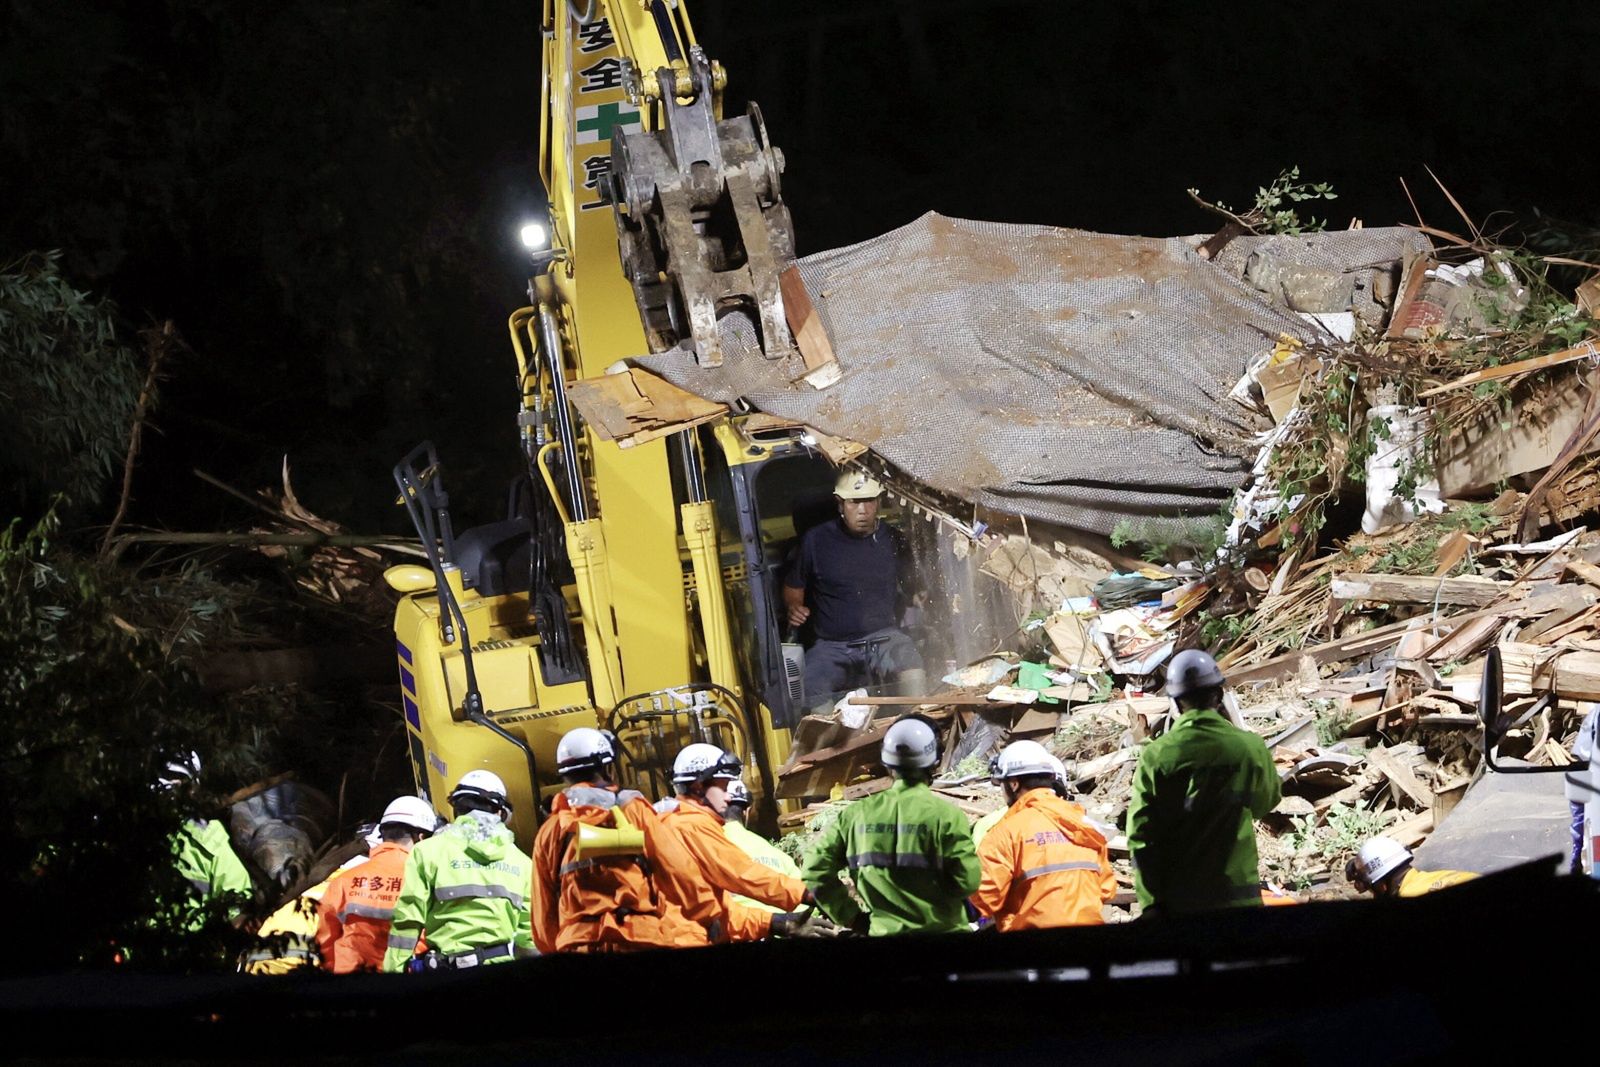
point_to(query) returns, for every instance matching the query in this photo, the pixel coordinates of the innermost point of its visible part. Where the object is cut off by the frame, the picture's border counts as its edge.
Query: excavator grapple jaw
(701, 223)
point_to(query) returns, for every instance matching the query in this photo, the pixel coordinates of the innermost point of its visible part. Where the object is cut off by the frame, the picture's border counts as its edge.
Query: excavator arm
(701, 227)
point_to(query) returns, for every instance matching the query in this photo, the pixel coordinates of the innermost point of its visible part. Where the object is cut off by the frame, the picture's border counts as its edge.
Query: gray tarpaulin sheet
(1071, 377)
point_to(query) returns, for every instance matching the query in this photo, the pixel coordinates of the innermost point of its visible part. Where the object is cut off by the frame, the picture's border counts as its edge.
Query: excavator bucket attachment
(701, 223)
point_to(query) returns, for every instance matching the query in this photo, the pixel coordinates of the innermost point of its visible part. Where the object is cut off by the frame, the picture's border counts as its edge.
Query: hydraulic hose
(550, 341)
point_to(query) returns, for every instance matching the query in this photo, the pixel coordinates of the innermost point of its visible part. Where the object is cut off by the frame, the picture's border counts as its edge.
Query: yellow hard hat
(857, 485)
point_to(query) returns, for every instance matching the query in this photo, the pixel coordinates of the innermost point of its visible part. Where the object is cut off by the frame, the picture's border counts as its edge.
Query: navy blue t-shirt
(851, 581)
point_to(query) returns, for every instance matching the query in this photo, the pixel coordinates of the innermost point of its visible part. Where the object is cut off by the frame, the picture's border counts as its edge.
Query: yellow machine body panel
(648, 601)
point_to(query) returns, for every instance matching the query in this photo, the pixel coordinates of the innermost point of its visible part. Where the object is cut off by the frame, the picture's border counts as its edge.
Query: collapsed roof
(1073, 378)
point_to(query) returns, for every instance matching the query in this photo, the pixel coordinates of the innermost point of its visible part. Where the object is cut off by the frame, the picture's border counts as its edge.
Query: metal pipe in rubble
(550, 341)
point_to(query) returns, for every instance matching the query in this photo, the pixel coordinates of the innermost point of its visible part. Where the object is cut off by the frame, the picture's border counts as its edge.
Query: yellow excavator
(634, 583)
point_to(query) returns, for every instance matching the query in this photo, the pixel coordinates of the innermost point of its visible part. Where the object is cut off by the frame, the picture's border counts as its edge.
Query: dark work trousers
(833, 668)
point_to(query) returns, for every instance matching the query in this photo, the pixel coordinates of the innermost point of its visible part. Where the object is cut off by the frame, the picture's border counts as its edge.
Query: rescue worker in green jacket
(204, 855)
(737, 799)
(909, 853)
(751, 843)
(466, 887)
(206, 860)
(1196, 792)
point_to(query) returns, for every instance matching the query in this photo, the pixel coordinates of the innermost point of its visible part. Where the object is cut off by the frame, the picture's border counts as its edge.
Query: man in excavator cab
(847, 581)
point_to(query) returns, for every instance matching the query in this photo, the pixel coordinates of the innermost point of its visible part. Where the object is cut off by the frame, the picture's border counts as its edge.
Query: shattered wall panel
(1072, 377)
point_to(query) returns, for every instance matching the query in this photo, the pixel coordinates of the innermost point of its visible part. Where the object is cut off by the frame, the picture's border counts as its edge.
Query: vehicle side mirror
(1490, 696)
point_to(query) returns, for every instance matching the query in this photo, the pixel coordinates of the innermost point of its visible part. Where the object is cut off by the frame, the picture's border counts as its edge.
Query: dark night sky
(325, 196)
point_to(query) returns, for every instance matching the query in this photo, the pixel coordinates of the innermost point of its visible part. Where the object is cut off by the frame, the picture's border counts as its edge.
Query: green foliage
(1160, 540)
(1218, 633)
(1332, 721)
(1275, 209)
(1328, 843)
(1417, 550)
(93, 713)
(1274, 203)
(797, 844)
(67, 388)
(976, 763)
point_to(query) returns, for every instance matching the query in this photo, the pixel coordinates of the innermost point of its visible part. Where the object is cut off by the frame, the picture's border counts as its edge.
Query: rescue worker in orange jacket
(354, 913)
(1043, 864)
(700, 776)
(607, 875)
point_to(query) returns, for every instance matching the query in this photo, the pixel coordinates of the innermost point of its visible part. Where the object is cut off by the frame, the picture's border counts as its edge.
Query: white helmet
(179, 771)
(1190, 670)
(1060, 770)
(738, 793)
(704, 764)
(585, 749)
(483, 785)
(910, 744)
(1380, 857)
(1023, 759)
(857, 485)
(414, 812)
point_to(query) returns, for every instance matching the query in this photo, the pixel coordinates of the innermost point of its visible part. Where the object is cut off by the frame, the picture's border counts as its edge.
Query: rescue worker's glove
(804, 924)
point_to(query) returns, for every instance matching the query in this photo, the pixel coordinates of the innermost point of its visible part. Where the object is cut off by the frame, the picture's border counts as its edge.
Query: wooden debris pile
(1426, 494)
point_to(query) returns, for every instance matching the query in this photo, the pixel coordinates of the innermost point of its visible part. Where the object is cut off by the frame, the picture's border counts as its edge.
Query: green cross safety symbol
(600, 121)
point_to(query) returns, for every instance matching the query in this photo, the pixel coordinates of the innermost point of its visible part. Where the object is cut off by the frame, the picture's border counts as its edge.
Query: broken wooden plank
(1454, 720)
(866, 789)
(634, 406)
(964, 700)
(1452, 550)
(1585, 570)
(257, 788)
(1466, 639)
(1571, 675)
(1549, 636)
(1466, 591)
(1532, 632)
(1111, 761)
(1586, 350)
(1035, 721)
(1413, 831)
(1401, 776)
(810, 337)
(868, 736)
(1357, 645)
(1350, 794)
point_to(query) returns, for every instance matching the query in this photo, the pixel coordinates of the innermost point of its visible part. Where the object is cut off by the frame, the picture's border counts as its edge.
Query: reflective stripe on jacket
(910, 855)
(467, 886)
(1044, 865)
(655, 900)
(763, 852)
(354, 915)
(1191, 829)
(731, 871)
